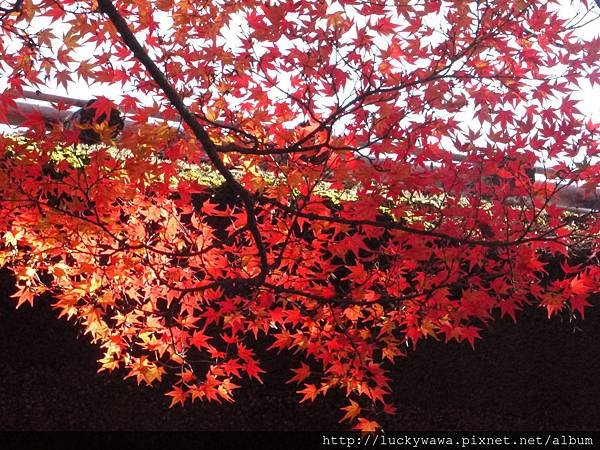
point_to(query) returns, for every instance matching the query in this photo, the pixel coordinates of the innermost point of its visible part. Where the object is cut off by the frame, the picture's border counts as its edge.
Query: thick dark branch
(129, 39)
(16, 7)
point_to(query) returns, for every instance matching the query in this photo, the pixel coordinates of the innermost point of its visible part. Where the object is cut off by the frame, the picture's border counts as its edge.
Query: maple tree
(339, 178)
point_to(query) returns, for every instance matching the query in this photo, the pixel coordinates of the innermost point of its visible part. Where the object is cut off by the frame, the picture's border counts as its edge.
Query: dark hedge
(536, 375)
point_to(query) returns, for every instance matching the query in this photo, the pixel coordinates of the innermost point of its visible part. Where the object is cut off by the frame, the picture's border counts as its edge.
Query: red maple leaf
(302, 373)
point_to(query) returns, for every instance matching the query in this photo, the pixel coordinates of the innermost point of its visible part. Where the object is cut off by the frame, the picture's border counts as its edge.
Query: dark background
(536, 375)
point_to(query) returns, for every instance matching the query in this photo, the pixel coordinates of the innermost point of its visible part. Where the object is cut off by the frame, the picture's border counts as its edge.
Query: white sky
(588, 96)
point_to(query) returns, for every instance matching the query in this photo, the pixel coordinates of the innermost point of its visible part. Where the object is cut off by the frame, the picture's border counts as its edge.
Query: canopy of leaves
(301, 187)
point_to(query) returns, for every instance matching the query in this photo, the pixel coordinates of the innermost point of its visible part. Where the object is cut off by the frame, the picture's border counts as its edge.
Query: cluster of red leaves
(344, 230)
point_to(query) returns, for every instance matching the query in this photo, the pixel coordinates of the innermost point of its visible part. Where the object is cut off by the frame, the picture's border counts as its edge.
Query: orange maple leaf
(352, 410)
(310, 392)
(179, 396)
(366, 425)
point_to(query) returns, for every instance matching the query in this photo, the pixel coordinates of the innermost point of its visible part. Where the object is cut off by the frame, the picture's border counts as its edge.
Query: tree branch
(129, 39)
